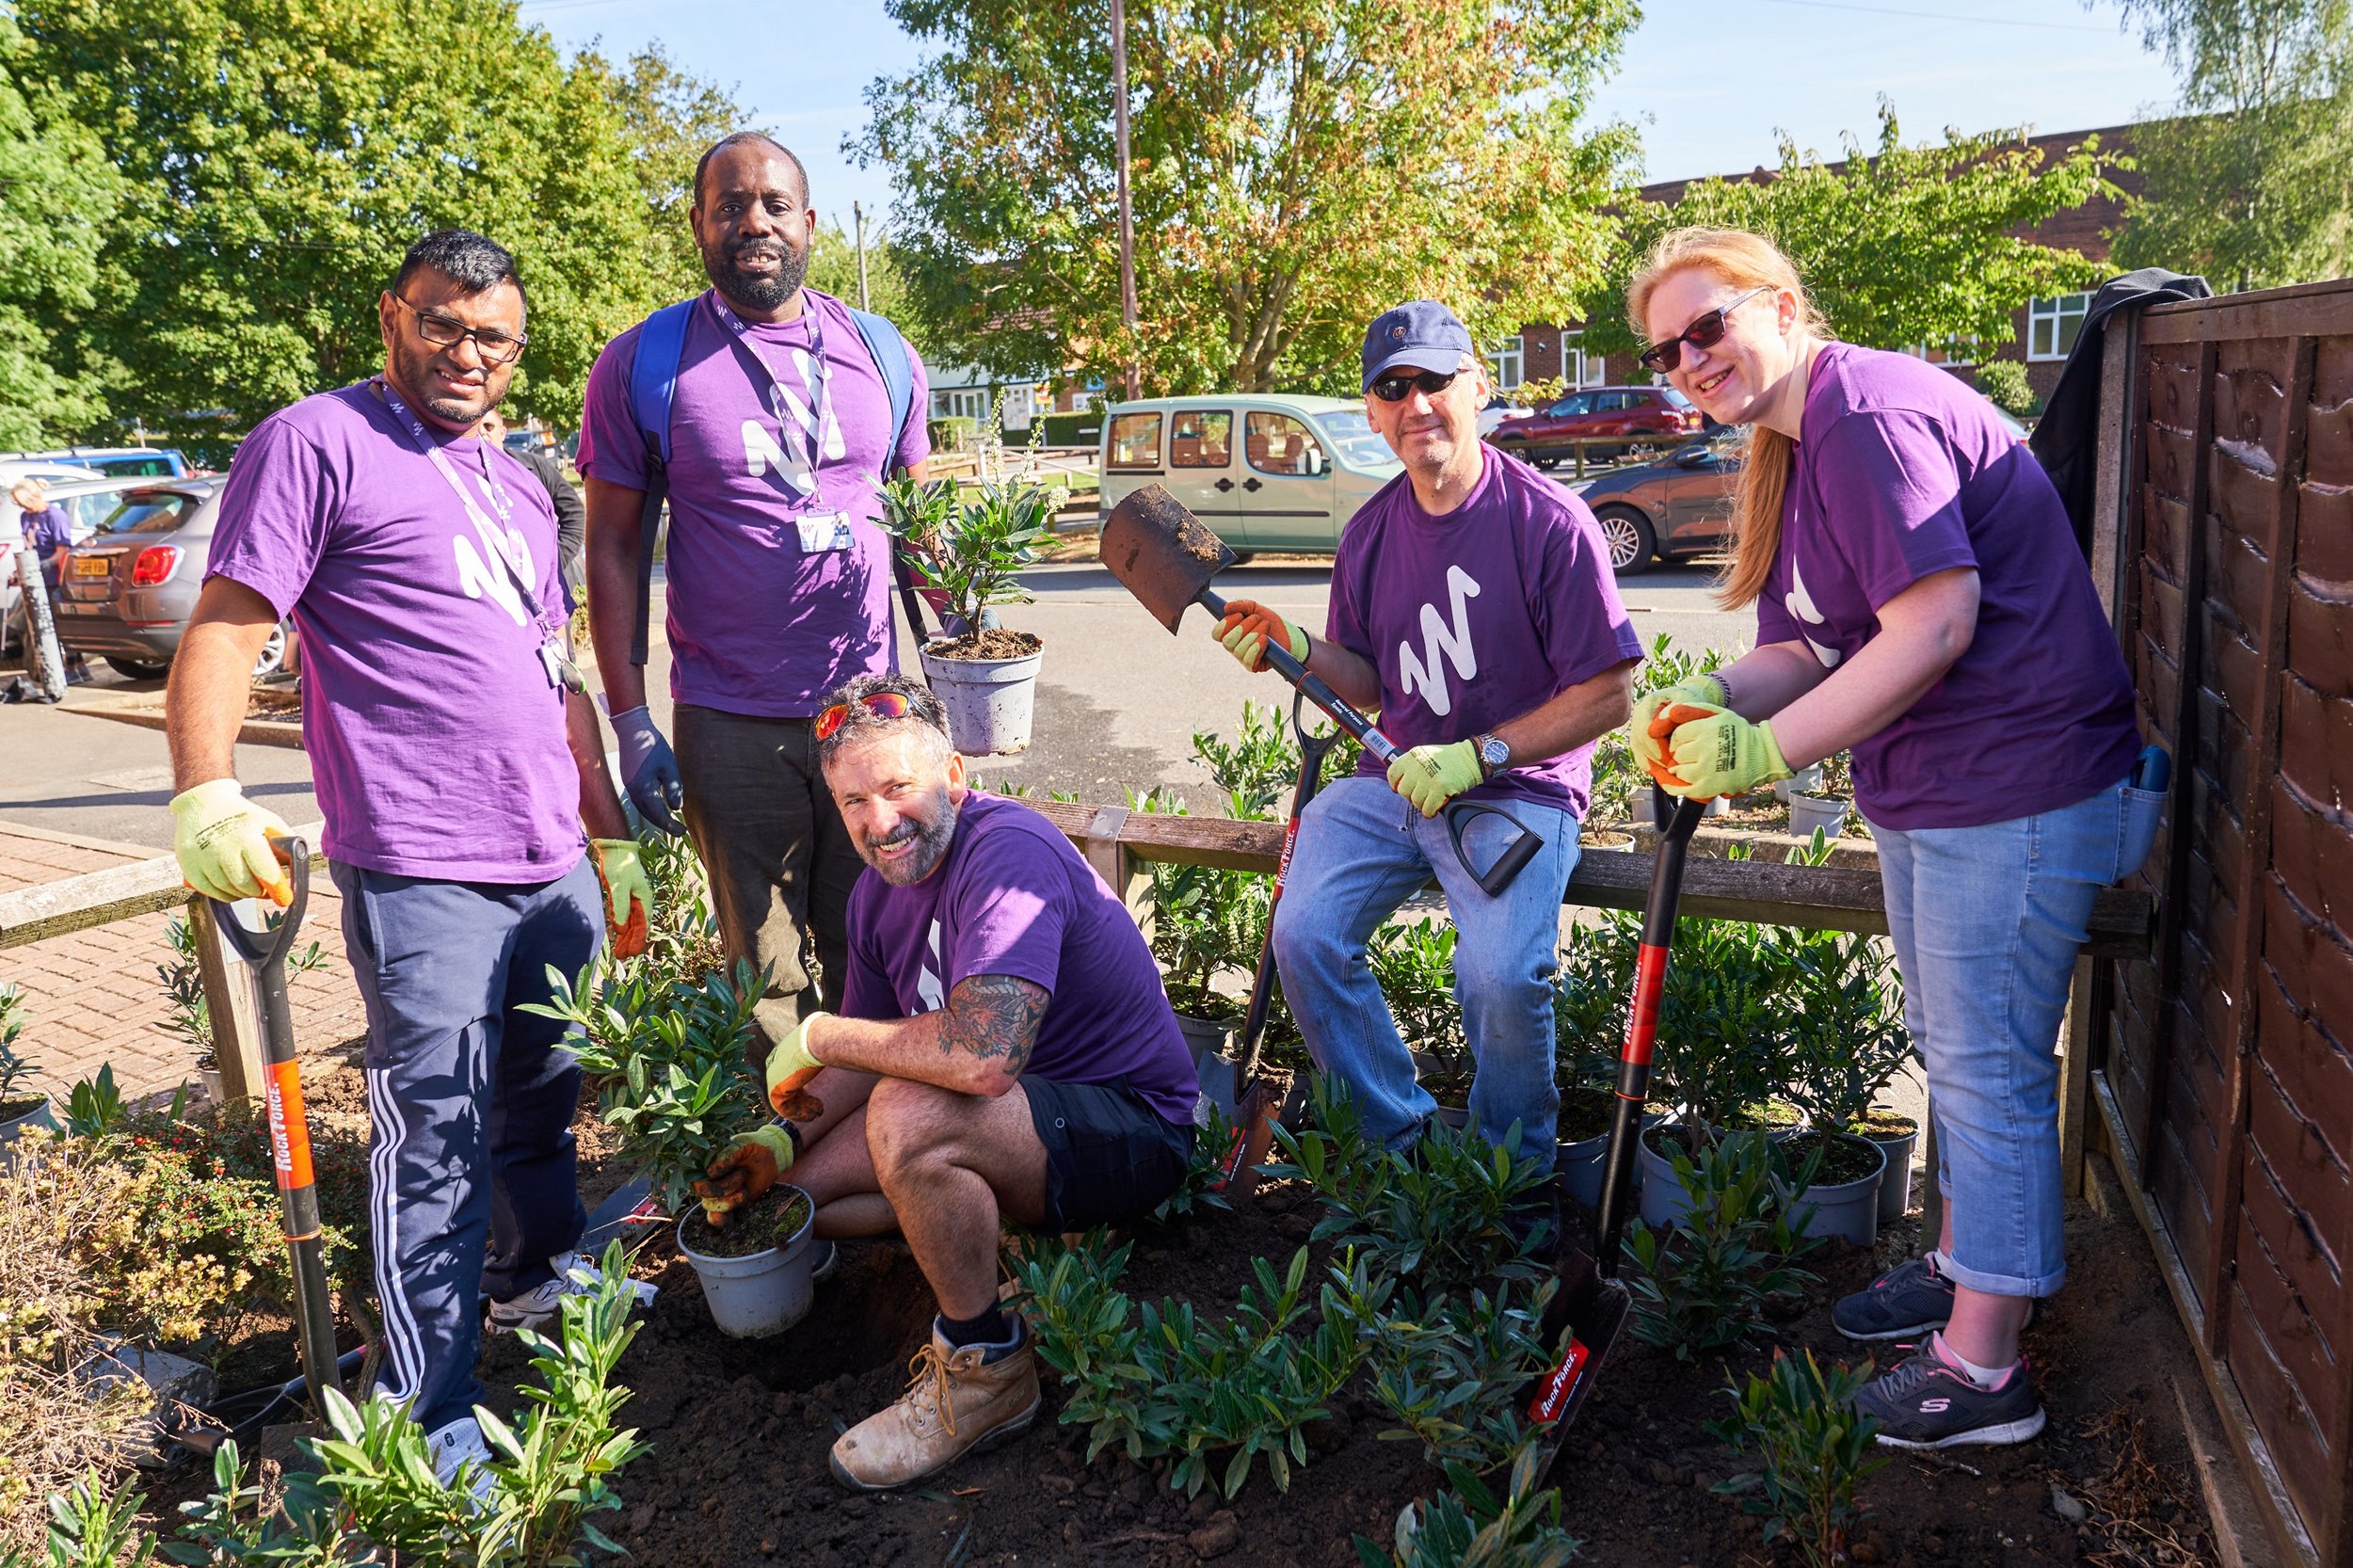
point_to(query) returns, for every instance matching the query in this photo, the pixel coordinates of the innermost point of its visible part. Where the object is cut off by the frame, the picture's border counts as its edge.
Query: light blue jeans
(1363, 850)
(1987, 923)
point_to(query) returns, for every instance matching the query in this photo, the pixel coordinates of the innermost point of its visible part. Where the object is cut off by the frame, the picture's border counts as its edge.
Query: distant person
(47, 527)
(571, 519)
(1919, 599)
(779, 438)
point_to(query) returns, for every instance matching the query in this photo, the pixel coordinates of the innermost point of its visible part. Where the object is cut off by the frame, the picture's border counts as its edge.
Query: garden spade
(265, 949)
(1166, 557)
(1596, 1301)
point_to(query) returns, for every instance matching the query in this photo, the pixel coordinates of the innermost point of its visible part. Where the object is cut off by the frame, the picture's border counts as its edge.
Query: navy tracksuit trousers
(470, 1163)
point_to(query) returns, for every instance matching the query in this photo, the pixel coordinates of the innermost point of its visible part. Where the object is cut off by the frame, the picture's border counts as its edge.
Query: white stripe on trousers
(404, 1347)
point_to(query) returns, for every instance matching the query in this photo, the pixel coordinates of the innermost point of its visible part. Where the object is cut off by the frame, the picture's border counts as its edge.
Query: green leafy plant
(1702, 1287)
(13, 1066)
(1211, 1398)
(1813, 1446)
(1467, 1527)
(1450, 1366)
(91, 1525)
(2004, 385)
(971, 552)
(94, 1107)
(186, 1010)
(1412, 962)
(1201, 1171)
(1438, 1216)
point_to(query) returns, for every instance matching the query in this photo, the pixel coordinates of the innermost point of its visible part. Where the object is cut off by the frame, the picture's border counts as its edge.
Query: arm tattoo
(994, 1014)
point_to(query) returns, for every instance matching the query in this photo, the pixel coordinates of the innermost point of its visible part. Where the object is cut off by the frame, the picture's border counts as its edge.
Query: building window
(2053, 325)
(1578, 368)
(1957, 350)
(1507, 362)
(960, 403)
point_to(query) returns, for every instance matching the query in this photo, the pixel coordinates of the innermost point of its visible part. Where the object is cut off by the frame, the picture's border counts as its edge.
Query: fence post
(2075, 1075)
(230, 1004)
(1128, 879)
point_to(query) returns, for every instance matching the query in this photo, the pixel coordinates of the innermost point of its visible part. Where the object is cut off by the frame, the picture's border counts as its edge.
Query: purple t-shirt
(1475, 617)
(1902, 471)
(47, 529)
(757, 624)
(437, 742)
(1013, 896)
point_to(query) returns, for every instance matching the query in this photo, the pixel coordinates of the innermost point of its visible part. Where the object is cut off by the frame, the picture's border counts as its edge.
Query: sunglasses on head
(883, 705)
(1430, 383)
(1705, 332)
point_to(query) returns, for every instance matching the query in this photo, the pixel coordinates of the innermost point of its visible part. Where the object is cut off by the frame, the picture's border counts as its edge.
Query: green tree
(56, 194)
(1298, 165)
(281, 154)
(833, 267)
(1902, 246)
(672, 117)
(2253, 183)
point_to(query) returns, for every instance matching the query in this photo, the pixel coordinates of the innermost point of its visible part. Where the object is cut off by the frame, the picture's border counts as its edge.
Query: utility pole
(857, 215)
(1127, 209)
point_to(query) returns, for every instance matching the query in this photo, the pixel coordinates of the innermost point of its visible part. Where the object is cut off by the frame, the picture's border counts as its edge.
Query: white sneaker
(454, 1445)
(576, 1275)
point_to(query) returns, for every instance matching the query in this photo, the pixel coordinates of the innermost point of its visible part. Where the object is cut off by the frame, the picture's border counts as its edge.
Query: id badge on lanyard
(810, 434)
(553, 660)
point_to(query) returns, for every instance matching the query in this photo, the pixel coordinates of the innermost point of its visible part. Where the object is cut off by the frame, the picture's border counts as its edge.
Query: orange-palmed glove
(1247, 627)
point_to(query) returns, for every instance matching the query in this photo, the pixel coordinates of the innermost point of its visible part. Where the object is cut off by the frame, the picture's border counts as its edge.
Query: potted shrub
(1849, 1044)
(1817, 813)
(19, 1109)
(1589, 1005)
(1412, 962)
(967, 554)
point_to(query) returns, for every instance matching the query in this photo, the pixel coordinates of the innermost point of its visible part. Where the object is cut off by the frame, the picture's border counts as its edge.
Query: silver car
(89, 500)
(127, 592)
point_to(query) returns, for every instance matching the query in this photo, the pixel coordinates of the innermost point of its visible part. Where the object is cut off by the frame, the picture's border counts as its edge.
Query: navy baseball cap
(1420, 334)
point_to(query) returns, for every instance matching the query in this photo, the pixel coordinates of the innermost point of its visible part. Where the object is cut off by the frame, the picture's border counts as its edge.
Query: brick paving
(93, 998)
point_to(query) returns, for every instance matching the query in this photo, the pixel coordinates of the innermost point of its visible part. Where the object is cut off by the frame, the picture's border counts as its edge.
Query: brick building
(2044, 329)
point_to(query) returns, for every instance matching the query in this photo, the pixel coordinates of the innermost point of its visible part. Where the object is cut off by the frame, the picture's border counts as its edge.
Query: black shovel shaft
(1312, 750)
(1641, 1029)
(1315, 689)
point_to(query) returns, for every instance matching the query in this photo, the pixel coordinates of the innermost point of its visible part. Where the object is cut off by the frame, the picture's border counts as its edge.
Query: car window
(1576, 403)
(1676, 398)
(1360, 446)
(150, 512)
(1616, 401)
(155, 467)
(1200, 438)
(1277, 443)
(1135, 441)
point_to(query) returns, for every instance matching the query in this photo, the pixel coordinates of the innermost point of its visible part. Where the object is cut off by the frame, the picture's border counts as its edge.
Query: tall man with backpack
(768, 414)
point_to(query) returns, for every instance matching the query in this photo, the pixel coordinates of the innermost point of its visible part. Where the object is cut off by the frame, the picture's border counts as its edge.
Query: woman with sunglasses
(1920, 599)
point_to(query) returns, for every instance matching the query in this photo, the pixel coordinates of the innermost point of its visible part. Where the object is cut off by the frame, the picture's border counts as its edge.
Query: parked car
(127, 593)
(1680, 505)
(1267, 471)
(1500, 408)
(1551, 433)
(125, 462)
(88, 501)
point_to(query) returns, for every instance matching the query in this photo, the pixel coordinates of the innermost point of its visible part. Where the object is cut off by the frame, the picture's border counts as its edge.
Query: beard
(415, 372)
(932, 828)
(760, 291)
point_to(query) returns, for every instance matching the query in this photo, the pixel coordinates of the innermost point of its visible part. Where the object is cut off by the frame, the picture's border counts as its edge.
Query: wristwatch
(1493, 755)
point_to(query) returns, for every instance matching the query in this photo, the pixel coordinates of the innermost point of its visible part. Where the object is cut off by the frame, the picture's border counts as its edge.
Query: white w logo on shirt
(1800, 605)
(478, 577)
(927, 987)
(1413, 675)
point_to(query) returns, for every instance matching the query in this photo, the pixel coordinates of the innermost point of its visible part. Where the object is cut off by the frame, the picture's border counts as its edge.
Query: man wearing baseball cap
(1474, 605)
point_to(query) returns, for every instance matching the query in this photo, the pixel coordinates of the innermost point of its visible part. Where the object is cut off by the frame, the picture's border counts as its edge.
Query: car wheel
(1546, 459)
(1632, 545)
(273, 655)
(137, 669)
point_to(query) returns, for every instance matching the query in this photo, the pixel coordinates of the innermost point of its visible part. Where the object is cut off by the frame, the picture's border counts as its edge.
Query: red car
(1550, 433)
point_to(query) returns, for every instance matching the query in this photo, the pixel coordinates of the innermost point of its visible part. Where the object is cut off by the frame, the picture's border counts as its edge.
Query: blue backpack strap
(652, 384)
(896, 363)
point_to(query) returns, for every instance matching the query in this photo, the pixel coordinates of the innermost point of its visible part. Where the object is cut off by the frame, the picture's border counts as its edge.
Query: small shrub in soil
(1451, 1367)
(768, 1221)
(1703, 1286)
(1197, 1193)
(1414, 963)
(186, 1012)
(1812, 1446)
(1841, 1158)
(1466, 1524)
(13, 1103)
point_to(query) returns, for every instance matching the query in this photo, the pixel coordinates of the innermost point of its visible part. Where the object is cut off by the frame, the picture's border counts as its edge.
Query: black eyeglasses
(443, 331)
(1705, 332)
(1430, 383)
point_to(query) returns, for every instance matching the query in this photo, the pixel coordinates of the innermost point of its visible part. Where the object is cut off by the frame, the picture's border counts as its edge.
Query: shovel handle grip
(1315, 688)
(268, 948)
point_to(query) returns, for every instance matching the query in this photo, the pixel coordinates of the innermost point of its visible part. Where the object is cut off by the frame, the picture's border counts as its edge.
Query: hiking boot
(958, 1400)
(1905, 1302)
(461, 1443)
(576, 1275)
(1924, 1403)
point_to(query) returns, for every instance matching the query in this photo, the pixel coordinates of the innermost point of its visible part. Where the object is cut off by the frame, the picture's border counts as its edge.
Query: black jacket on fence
(2067, 438)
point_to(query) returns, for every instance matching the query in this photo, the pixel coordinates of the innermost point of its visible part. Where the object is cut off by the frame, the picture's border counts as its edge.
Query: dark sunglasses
(1707, 331)
(443, 331)
(883, 705)
(1396, 388)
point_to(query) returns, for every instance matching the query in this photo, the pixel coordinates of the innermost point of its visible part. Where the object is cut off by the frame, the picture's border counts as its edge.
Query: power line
(1918, 16)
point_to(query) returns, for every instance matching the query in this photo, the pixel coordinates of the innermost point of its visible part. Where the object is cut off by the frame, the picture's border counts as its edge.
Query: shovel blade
(1160, 552)
(1596, 1312)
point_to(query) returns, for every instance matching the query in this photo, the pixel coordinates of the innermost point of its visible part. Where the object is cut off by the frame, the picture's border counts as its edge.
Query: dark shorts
(1110, 1156)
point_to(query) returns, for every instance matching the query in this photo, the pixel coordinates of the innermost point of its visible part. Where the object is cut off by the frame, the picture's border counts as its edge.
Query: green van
(1268, 471)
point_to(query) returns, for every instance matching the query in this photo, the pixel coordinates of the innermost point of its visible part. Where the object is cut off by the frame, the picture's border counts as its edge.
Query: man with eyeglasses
(1004, 1051)
(1473, 604)
(772, 440)
(457, 762)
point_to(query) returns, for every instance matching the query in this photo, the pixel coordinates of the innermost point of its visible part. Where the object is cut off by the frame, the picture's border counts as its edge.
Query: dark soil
(22, 1105)
(996, 643)
(1585, 1112)
(1847, 1160)
(775, 1217)
(1880, 1123)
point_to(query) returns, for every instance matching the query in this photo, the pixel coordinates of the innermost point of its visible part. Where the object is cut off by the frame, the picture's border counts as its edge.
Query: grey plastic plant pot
(1808, 812)
(1895, 1180)
(40, 1115)
(762, 1293)
(1848, 1210)
(989, 701)
(1664, 1202)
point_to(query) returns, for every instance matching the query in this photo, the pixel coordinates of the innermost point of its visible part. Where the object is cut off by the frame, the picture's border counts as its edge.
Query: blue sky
(803, 68)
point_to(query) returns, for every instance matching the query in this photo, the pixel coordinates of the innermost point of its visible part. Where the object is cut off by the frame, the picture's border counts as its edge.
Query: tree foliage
(671, 117)
(2252, 184)
(1903, 245)
(1298, 165)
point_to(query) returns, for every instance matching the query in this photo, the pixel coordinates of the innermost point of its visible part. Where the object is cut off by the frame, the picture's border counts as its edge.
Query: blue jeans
(1363, 850)
(1987, 923)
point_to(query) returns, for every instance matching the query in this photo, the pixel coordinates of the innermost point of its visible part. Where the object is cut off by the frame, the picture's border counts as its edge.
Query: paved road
(1119, 702)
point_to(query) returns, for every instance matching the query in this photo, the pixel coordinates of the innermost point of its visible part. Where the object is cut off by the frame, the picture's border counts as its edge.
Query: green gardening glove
(222, 842)
(789, 1068)
(744, 1171)
(1432, 775)
(1648, 736)
(1713, 751)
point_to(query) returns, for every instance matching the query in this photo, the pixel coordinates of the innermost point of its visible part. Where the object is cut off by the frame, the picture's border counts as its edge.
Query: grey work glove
(649, 769)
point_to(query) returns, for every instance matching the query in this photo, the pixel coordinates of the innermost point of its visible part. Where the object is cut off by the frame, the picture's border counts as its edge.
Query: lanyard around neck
(493, 535)
(782, 402)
